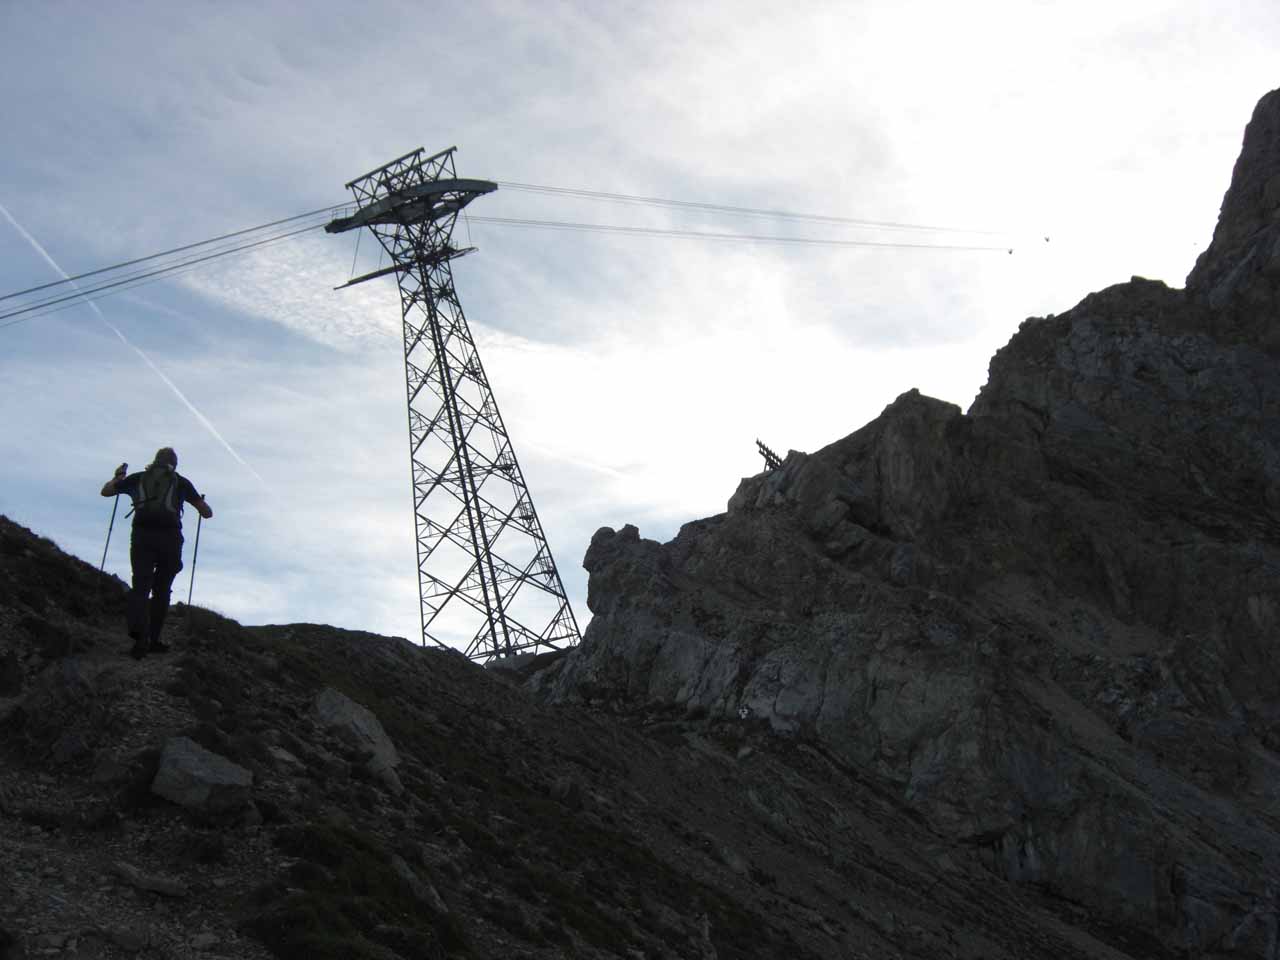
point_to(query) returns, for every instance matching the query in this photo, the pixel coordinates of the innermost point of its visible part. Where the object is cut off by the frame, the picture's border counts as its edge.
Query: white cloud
(293, 284)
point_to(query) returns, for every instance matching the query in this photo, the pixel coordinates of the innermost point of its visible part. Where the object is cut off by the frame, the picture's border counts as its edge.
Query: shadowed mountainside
(307, 792)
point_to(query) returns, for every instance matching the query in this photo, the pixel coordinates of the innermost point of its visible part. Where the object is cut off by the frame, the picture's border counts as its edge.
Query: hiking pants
(156, 556)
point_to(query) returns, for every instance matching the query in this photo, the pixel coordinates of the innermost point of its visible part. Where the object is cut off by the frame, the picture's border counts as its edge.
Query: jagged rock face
(1047, 626)
(1239, 274)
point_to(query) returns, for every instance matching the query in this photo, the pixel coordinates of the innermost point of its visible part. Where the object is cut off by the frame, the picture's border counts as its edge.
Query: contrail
(123, 339)
(527, 444)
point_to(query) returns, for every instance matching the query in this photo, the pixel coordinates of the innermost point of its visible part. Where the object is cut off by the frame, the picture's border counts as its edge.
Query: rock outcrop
(355, 724)
(1046, 626)
(1239, 275)
(199, 779)
(358, 727)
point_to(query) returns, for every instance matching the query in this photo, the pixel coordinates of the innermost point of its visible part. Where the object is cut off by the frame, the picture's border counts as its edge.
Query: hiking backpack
(157, 503)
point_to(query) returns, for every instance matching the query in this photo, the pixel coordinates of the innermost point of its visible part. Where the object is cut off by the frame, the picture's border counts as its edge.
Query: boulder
(200, 780)
(356, 725)
(155, 883)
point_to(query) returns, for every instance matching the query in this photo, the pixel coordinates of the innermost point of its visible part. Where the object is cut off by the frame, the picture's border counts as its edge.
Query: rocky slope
(307, 792)
(1045, 628)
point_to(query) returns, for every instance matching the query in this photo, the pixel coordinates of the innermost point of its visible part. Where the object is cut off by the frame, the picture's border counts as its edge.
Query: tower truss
(486, 579)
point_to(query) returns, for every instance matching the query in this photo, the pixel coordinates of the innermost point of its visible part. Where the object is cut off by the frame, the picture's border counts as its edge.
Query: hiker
(155, 548)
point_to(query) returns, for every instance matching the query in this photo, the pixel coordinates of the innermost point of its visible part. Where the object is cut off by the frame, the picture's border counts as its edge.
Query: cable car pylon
(487, 583)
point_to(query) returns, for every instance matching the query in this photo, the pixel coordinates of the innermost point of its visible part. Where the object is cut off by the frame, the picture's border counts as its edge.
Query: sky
(634, 373)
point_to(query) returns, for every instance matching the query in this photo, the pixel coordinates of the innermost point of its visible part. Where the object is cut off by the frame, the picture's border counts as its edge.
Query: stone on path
(357, 725)
(149, 881)
(199, 779)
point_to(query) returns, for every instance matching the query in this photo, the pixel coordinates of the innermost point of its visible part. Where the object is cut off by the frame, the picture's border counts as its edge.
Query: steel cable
(165, 253)
(57, 302)
(43, 307)
(736, 210)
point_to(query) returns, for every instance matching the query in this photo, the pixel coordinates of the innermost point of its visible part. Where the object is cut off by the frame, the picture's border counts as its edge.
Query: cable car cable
(165, 253)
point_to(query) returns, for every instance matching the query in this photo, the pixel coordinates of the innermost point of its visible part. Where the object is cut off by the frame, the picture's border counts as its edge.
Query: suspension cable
(165, 253)
(139, 273)
(55, 302)
(92, 292)
(735, 210)
(707, 235)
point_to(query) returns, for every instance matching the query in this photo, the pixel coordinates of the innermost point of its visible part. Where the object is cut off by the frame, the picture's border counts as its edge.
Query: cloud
(292, 284)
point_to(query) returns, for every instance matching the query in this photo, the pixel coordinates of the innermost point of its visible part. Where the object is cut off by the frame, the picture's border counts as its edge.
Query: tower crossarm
(416, 204)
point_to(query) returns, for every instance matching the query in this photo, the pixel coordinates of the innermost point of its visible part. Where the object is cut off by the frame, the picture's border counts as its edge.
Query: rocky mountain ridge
(1046, 626)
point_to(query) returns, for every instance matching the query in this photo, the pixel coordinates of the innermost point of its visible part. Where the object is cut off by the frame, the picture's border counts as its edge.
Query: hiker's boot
(139, 649)
(158, 646)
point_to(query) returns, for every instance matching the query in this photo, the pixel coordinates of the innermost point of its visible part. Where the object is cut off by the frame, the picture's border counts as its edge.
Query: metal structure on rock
(771, 460)
(486, 576)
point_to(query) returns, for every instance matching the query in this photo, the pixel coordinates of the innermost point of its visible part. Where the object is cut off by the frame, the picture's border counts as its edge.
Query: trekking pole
(103, 565)
(195, 555)
(111, 526)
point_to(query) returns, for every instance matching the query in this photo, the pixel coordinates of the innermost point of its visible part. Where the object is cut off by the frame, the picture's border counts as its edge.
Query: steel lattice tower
(486, 577)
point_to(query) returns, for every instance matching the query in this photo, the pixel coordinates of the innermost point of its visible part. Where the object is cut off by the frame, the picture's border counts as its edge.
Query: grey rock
(156, 883)
(198, 779)
(423, 890)
(1239, 274)
(284, 760)
(324, 761)
(355, 724)
(384, 773)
